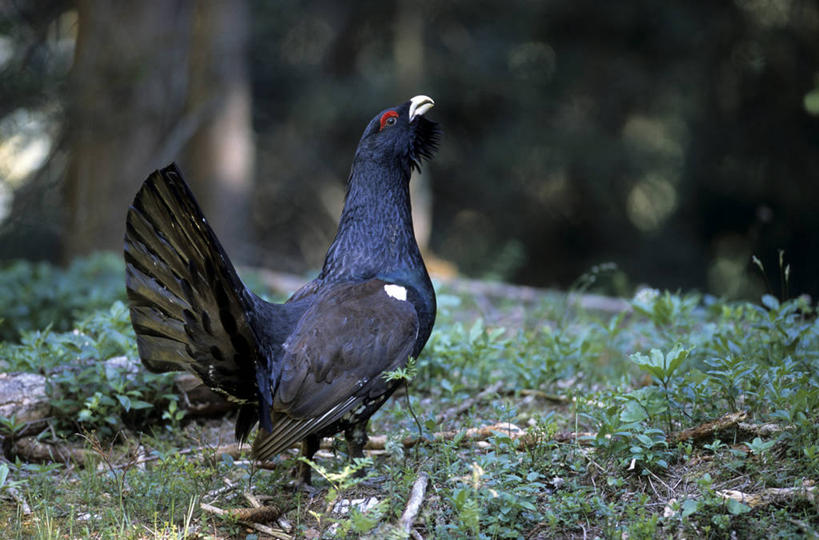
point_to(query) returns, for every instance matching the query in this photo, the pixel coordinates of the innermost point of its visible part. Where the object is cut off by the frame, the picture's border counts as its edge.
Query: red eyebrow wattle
(387, 115)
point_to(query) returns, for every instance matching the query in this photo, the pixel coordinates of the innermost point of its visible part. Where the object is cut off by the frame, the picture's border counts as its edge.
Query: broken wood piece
(419, 488)
(773, 495)
(212, 494)
(23, 396)
(30, 449)
(762, 430)
(467, 404)
(708, 429)
(251, 498)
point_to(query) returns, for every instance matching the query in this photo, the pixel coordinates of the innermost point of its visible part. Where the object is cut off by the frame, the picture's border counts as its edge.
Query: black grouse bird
(312, 366)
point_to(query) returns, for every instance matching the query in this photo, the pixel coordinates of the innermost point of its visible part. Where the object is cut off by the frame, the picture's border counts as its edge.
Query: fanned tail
(189, 308)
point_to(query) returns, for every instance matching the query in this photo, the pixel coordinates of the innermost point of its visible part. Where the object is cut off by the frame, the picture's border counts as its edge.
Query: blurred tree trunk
(126, 92)
(218, 159)
(153, 82)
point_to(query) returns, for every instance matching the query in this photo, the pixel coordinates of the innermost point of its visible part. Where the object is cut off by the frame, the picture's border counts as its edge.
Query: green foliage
(94, 380)
(625, 386)
(36, 295)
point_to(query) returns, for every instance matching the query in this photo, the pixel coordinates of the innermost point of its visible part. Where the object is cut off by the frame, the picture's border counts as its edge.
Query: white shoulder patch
(396, 291)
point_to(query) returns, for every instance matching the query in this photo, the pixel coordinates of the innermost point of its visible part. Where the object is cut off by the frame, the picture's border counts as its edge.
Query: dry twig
(773, 495)
(762, 430)
(419, 488)
(708, 429)
(30, 449)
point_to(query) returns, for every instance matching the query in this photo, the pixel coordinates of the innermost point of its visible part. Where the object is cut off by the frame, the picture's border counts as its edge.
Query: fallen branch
(467, 404)
(708, 429)
(419, 488)
(30, 449)
(762, 430)
(212, 494)
(773, 495)
(251, 498)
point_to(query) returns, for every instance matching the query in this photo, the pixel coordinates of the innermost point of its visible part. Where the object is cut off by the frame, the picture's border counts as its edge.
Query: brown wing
(335, 358)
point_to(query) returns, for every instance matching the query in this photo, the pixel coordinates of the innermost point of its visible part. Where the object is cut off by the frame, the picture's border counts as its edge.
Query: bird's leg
(356, 437)
(309, 446)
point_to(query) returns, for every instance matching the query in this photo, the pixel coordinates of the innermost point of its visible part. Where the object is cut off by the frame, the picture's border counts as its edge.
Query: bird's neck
(375, 235)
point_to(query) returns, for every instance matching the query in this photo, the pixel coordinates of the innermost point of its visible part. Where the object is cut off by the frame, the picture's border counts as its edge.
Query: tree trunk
(149, 80)
(126, 95)
(219, 158)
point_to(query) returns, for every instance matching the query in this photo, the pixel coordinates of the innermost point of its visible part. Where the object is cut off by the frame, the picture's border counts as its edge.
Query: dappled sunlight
(651, 202)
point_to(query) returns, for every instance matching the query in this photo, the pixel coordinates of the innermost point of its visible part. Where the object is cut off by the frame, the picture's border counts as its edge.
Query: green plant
(93, 378)
(600, 398)
(36, 295)
(662, 367)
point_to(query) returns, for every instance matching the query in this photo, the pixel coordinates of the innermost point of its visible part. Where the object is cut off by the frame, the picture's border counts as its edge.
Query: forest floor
(530, 414)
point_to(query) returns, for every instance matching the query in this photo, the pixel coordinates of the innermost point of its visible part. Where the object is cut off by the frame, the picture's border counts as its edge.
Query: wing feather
(334, 360)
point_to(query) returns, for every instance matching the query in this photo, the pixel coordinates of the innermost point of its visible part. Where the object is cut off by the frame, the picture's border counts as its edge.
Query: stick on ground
(419, 488)
(709, 428)
(772, 495)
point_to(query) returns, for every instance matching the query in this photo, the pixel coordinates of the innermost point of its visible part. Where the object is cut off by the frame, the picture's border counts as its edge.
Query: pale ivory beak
(419, 105)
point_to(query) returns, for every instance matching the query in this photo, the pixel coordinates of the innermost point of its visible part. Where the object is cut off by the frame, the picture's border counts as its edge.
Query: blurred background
(674, 139)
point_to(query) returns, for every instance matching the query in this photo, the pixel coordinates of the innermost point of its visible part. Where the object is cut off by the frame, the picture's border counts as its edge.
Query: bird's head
(401, 135)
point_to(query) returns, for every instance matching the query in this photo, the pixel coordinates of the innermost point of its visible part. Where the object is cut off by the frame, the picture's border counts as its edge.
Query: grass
(603, 399)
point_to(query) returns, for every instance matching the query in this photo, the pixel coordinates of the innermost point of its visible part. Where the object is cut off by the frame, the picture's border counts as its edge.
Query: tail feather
(189, 308)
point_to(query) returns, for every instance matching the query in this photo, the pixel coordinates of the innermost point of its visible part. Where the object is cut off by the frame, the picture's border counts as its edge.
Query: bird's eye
(389, 118)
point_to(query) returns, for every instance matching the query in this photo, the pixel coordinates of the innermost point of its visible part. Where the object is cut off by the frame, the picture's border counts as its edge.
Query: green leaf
(137, 404)
(644, 440)
(736, 508)
(688, 507)
(632, 412)
(4, 473)
(770, 302)
(125, 401)
(476, 331)
(675, 358)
